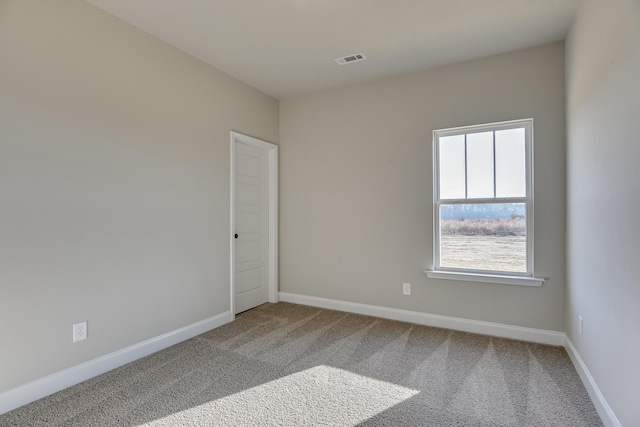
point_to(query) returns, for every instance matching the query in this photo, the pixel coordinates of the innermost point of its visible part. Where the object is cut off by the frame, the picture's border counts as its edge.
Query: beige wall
(114, 184)
(356, 186)
(603, 109)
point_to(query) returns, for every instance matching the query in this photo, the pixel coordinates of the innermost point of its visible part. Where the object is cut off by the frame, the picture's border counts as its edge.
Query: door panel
(249, 222)
(251, 247)
(249, 280)
(248, 251)
(249, 194)
(250, 165)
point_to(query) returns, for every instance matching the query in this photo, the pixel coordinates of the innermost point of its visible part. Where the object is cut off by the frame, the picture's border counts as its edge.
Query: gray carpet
(291, 365)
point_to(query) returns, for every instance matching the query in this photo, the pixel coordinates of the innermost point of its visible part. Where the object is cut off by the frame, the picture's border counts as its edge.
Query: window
(483, 203)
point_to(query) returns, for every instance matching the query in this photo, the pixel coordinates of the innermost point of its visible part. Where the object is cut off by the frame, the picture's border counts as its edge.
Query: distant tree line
(483, 211)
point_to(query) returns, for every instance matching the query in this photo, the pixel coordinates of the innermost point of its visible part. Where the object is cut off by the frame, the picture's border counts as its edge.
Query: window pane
(480, 165)
(510, 163)
(451, 152)
(489, 237)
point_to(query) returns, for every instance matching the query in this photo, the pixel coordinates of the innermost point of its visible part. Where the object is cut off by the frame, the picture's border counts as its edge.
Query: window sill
(485, 278)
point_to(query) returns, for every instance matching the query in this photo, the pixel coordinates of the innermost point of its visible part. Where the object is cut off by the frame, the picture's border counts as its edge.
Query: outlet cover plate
(580, 325)
(79, 331)
(406, 288)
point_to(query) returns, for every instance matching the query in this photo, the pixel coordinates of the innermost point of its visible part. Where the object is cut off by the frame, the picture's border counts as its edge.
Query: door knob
(236, 235)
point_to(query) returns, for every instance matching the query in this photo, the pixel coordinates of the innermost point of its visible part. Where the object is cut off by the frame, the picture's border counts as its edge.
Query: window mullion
(466, 174)
(494, 164)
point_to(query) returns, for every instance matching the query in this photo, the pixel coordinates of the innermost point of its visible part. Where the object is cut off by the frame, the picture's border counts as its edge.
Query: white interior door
(253, 280)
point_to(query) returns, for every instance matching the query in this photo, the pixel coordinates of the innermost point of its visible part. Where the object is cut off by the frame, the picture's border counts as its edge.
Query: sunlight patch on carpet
(319, 395)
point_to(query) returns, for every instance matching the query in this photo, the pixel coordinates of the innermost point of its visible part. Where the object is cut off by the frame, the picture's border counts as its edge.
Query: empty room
(319, 212)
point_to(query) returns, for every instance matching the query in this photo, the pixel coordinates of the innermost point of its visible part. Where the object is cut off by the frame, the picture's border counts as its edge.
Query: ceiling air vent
(350, 58)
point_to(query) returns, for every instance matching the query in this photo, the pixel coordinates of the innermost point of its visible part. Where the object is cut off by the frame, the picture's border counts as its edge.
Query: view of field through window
(489, 236)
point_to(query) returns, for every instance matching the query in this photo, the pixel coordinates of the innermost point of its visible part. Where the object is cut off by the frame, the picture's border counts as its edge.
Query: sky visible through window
(483, 165)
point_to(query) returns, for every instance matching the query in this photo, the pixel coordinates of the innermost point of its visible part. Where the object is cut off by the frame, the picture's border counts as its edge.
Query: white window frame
(488, 276)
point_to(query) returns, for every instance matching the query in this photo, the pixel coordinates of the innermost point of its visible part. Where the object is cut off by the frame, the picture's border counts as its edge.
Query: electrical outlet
(406, 288)
(79, 331)
(580, 325)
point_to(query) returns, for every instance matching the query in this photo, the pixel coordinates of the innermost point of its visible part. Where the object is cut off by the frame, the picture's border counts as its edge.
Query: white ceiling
(287, 47)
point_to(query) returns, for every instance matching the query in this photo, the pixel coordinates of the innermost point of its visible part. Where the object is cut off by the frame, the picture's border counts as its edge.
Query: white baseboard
(53, 383)
(607, 415)
(466, 325)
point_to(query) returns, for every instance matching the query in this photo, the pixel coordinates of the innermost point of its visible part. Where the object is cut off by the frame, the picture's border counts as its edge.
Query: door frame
(272, 163)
